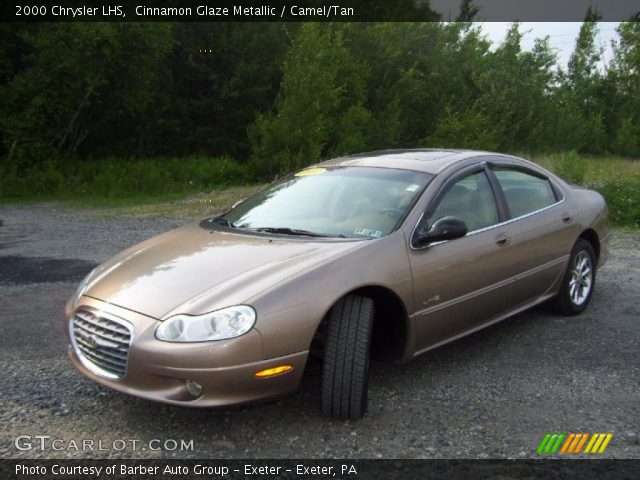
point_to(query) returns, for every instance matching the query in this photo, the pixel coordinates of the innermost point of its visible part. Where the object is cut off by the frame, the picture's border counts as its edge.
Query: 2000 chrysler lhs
(384, 255)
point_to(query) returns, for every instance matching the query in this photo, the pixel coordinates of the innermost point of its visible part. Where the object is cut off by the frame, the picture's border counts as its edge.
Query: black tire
(565, 302)
(345, 371)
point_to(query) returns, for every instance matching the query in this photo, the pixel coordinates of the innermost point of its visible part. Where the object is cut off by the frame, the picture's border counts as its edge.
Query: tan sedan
(384, 255)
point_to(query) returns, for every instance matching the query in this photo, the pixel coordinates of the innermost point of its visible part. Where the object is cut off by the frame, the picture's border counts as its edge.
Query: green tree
(506, 99)
(625, 75)
(74, 76)
(400, 58)
(320, 111)
(581, 93)
(583, 75)
(465, 129)
(468, 11)
(223, 74)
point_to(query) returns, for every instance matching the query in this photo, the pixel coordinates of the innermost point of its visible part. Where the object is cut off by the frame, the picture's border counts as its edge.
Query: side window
(525, 193)
(471, 200)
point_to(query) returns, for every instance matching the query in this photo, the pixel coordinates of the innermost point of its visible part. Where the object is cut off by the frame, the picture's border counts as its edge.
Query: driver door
(462, 283)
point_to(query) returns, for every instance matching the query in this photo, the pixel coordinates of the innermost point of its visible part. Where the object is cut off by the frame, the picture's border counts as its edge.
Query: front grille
(101, 342)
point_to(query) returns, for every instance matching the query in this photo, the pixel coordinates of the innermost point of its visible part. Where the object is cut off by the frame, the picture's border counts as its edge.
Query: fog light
(270, 372)
(194, 388)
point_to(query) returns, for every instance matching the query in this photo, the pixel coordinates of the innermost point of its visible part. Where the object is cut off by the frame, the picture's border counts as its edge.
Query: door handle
(503, 240)
(566, 217)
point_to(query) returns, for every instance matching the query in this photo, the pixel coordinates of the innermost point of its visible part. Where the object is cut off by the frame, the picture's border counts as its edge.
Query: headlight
(82, 287)
(219, 325)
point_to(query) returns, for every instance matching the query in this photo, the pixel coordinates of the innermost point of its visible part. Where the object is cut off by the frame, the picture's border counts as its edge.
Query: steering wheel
(394, 212)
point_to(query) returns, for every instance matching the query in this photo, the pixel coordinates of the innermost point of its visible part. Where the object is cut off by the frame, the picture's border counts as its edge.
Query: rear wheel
(579, 280)
(346, 358)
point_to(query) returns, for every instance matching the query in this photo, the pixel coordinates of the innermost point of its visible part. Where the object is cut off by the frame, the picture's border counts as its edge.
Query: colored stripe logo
(569, 443)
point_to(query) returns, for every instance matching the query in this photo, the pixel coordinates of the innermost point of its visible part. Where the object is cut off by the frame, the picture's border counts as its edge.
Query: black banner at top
(314, 10)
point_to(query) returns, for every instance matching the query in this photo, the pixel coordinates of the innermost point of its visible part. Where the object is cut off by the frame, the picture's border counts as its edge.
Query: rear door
(462, 283)
(541, 229)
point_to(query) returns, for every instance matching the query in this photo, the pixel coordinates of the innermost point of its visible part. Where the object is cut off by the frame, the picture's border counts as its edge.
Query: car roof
(422, 160)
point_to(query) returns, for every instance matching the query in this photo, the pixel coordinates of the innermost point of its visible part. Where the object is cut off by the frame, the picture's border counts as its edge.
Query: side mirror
(445, 228)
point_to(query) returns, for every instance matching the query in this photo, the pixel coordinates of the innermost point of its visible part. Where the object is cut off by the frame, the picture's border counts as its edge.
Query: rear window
(525, 192)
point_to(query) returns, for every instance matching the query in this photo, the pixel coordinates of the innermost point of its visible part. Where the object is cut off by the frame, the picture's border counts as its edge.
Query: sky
(562, 36)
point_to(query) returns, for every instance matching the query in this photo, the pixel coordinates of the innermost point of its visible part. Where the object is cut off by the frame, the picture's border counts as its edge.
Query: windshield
(351, 202)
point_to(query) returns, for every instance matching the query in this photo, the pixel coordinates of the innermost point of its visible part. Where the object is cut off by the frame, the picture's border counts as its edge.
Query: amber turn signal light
(270, 372)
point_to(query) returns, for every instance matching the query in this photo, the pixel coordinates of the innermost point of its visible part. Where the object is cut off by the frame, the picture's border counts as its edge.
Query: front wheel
(579, 280)
(346, 358)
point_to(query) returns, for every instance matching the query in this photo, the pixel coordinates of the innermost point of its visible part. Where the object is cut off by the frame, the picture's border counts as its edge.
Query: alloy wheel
(581, 278)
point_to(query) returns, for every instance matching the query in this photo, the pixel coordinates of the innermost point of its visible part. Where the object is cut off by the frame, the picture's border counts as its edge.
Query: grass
(192, 207)
(617, 179)
(120, 181)
(596, 169)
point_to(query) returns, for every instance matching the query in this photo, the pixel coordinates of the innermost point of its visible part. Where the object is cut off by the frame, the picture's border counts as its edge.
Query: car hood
(192, 270)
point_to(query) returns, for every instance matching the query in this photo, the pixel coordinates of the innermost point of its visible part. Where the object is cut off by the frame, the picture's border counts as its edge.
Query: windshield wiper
(293, 231)
(223, 221)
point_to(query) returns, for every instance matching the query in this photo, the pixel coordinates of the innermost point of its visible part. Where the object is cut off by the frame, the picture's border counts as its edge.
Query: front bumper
(226, 369)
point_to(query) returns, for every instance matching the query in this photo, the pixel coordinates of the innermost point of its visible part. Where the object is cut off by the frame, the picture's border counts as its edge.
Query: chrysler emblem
(91, 341)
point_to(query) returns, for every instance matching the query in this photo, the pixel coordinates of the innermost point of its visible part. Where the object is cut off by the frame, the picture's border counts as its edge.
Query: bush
(121, 177)
(628, 138)
(623, 200)
(571, 167)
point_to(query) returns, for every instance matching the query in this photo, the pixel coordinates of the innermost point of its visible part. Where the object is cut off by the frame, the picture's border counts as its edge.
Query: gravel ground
(493, 394)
